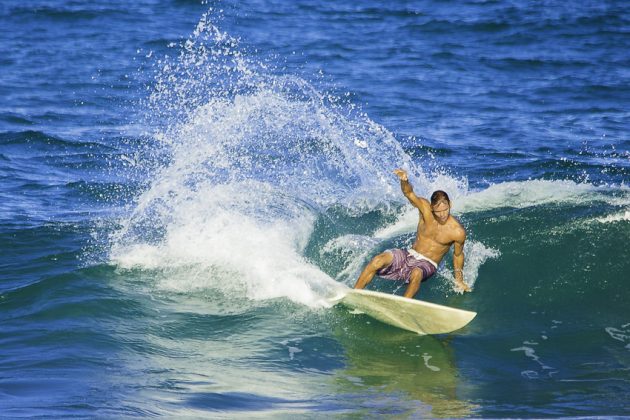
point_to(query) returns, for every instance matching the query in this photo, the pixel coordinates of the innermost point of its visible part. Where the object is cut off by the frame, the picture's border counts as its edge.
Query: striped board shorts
(403, 264)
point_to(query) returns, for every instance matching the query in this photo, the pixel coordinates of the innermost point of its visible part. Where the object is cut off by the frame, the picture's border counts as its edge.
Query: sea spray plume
(255, 125)
(209, 65)
(254, 157)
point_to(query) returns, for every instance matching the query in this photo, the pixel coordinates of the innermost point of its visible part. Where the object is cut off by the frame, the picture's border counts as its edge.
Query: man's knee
(381, 260)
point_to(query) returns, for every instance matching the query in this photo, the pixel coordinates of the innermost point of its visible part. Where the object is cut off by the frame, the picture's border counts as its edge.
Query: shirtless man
(437, 231)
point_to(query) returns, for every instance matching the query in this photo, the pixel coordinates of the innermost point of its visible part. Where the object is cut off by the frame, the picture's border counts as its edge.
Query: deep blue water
(185, 183)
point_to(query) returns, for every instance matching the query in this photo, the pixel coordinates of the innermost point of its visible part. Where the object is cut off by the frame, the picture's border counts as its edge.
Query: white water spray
(254, 160)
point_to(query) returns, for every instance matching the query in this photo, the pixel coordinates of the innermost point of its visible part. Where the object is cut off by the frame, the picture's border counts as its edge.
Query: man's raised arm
(421, 203)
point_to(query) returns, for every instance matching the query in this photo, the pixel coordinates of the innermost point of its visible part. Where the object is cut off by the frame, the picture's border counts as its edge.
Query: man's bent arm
(458, 266)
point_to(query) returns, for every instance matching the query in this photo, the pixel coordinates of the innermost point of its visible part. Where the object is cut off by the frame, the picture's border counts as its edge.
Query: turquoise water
(185, 184)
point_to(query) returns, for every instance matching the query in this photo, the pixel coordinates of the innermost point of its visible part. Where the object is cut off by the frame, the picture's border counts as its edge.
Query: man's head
(440, 205)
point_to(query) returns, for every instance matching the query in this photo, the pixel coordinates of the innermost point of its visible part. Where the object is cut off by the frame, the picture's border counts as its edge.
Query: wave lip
(530, 193)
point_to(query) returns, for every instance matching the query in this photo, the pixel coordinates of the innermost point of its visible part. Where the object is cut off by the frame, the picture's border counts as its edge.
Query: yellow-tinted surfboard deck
(408, 314)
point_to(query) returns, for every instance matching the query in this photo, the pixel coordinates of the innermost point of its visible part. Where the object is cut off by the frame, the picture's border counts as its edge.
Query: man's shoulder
(424, 203)
(456, 223)
(459, 232)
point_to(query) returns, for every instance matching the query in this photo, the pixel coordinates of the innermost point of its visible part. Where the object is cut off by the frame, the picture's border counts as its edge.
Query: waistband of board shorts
(419, 256)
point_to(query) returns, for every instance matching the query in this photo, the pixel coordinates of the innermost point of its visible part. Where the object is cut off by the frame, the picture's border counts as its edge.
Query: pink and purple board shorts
(403, 264)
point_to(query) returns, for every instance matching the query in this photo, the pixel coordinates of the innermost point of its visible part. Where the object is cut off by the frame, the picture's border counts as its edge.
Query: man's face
(441, 210)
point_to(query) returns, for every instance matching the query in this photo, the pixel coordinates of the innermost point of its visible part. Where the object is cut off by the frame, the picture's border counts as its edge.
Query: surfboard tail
(338, 296)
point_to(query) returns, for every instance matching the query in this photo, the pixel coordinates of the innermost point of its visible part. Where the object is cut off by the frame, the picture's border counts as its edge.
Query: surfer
(437, 232)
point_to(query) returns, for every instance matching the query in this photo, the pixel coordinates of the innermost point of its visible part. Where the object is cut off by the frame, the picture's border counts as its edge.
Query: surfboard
(409, 314)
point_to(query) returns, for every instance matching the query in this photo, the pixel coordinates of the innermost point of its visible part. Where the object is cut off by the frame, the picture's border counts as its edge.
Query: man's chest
(435, 233)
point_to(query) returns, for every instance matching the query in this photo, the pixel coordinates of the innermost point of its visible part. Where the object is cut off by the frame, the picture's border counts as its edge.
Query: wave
(65, 13)
(257, 158)
(41, 141)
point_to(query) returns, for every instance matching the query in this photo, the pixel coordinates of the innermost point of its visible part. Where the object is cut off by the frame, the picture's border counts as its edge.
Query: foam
(354, 250)
(476, 254)
(530, 193)
(211, 230)
(623, 216)
(620, 334)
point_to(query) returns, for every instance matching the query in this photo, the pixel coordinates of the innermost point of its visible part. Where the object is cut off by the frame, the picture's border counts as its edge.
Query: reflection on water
(404, 373)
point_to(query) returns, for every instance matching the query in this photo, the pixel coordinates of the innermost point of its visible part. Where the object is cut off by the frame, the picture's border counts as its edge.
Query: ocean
(185, 184)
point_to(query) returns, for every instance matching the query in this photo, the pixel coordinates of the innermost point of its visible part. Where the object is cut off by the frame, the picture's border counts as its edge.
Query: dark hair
(439, 195)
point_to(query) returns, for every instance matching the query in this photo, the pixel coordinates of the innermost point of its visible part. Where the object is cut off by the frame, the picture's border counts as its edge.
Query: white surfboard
(408, 314)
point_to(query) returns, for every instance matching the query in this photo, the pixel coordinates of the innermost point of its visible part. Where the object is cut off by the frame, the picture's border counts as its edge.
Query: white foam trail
(212, 232)
(614, 218)
(531, 353)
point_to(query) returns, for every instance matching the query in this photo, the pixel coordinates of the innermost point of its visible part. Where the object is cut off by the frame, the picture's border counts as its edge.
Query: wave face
(185, 185)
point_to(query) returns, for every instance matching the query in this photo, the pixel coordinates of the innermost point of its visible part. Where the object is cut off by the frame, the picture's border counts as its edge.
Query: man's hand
(463, 287)
(460, 286)
(402, 174)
